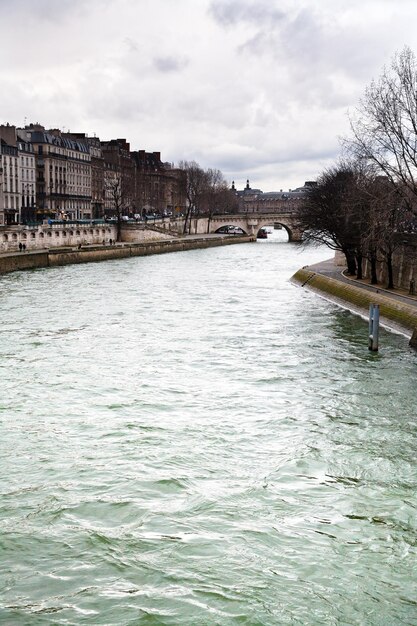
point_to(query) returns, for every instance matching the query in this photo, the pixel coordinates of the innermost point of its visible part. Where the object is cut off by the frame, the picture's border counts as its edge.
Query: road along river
(189, 439)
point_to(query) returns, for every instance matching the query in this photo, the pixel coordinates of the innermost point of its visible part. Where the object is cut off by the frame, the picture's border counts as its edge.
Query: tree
(120, 199)
(207, 192)
(386, 221)
(217, 198)
(333, 212)
(384, 125)
(195, 187)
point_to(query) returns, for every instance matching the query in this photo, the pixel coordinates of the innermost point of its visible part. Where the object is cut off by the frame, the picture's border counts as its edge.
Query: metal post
(373, 327)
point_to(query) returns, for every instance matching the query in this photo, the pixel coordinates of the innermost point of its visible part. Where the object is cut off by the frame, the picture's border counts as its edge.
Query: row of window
(25, 160)
(64, 152)
(72, 167)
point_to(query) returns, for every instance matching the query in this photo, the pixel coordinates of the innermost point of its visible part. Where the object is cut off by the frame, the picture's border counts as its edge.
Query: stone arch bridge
(250, 223)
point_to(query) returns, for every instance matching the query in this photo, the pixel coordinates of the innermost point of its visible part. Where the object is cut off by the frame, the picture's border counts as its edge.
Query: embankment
(394, 314)
(53, 257)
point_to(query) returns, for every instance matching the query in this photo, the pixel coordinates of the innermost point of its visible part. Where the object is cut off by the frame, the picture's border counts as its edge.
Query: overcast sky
(257, 88)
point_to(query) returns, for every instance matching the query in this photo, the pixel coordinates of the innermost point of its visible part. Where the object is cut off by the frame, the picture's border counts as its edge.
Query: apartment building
(63, 181)
(27, 181)
(10, 197)
(158, 186)
(113, 198)
(116, 153)
(97, 171)
(49, 174)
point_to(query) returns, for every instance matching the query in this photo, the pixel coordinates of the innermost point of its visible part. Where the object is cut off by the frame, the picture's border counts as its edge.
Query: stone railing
(19, 237)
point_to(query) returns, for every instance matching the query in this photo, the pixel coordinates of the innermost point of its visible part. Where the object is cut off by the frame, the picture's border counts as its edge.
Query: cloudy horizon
(258, 89)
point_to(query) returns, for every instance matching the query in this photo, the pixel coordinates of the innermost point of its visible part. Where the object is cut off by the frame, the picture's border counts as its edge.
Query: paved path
(328, 268)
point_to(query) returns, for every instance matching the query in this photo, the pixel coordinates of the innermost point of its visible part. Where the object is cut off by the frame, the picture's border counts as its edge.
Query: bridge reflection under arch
(275, 231)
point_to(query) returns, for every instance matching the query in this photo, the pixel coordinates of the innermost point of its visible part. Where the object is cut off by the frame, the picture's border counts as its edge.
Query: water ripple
(190, 440)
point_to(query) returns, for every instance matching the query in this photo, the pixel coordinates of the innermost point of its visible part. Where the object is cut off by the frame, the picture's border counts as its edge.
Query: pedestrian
(20, 246)
(24, 246)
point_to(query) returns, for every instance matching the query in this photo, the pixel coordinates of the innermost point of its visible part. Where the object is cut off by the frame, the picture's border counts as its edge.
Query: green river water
(189, 439)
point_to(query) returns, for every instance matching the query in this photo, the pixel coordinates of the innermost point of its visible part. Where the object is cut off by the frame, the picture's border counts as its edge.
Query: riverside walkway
(397, 307)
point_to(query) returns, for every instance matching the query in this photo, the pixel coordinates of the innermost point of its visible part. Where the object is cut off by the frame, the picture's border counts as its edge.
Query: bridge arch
(231, 229)
(251, 223)
(277, 225)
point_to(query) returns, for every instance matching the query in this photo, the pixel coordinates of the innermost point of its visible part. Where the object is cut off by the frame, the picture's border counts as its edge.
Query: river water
(189, 439)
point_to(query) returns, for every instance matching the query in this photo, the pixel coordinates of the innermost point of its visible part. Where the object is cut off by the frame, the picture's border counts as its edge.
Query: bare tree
(384, 125)
(120, 199)
(217, 198)
(195, 188)
(386, 222)
(334, 212)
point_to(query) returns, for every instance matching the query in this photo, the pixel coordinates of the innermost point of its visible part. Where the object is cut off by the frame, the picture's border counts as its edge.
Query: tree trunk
(359, 273)
(374, 278)
(390, 272)
(187, 216)
(350, 261)
(119, 229)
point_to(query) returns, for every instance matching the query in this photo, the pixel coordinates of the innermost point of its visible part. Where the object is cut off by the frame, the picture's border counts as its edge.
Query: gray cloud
(230, 12)
(258, 89)
(48, 10)
(168, 64)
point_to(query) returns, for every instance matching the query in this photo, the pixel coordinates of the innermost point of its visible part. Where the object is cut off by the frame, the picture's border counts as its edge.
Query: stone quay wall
(394, 314)
(67, 255)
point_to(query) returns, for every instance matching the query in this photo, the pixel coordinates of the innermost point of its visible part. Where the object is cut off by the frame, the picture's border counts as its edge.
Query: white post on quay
(373, 327)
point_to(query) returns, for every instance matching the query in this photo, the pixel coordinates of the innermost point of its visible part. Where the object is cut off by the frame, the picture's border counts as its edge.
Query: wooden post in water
(373, 327)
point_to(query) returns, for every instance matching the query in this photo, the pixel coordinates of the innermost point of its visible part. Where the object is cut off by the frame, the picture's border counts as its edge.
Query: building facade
(112, 202)
(27, 170)
(18, 177)
(118, 162)
(159, 187)
(10, 196)
(97, 172)
(52, 175)
(256, 201)
(63, 180)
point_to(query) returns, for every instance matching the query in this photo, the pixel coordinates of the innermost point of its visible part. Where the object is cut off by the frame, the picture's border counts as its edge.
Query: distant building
(254, 200)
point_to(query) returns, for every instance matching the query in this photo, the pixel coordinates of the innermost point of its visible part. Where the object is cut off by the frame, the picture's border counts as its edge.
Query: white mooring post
(373, 327)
